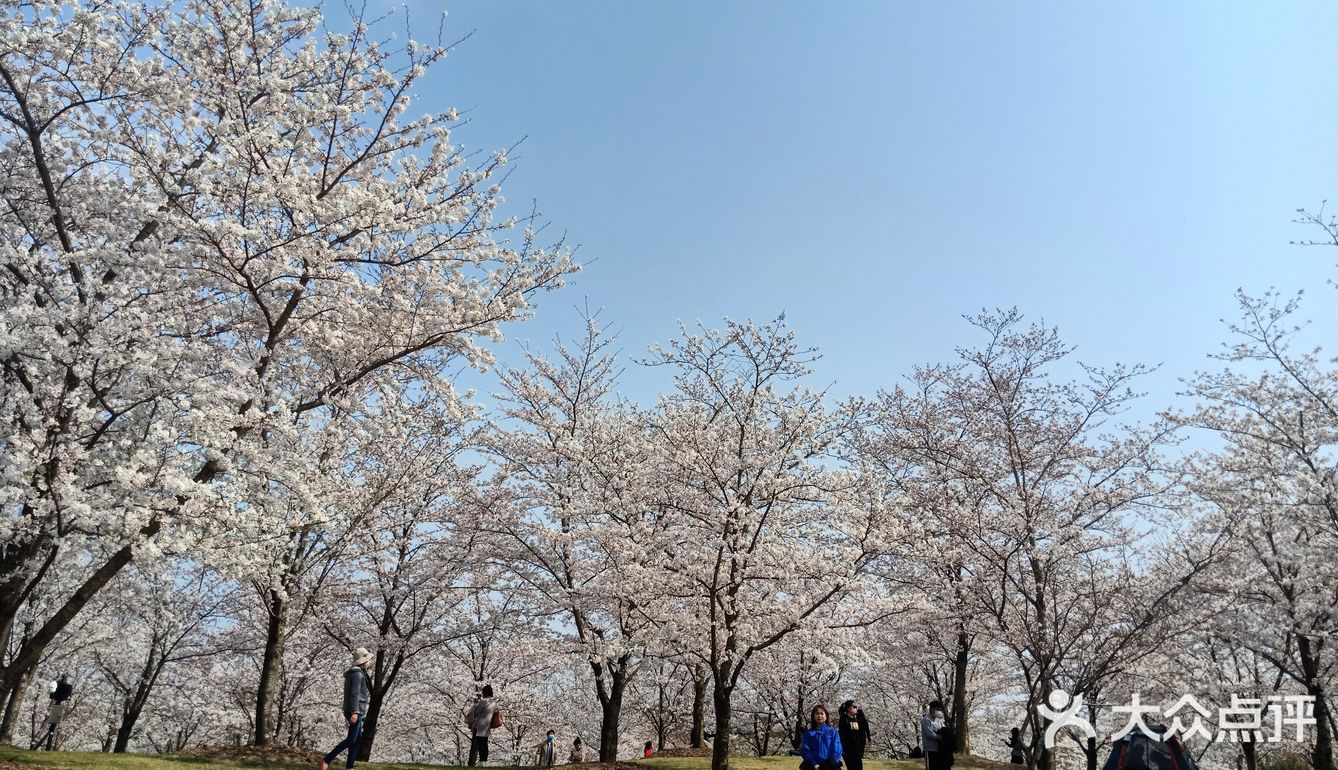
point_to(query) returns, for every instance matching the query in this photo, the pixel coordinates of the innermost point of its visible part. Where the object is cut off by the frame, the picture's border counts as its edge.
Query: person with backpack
(1149, 748)
(61, 691)
(821, 744)
(1016, 754)
(853, 727)
(357, 696)
(481, 719)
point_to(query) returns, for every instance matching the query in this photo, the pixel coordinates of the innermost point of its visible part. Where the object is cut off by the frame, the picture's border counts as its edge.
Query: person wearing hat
(357, 694)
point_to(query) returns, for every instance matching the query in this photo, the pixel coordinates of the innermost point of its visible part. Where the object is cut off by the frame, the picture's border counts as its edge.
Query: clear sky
(877, 169)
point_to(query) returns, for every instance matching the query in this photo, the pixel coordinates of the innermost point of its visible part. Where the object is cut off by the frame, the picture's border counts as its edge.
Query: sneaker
(321, 764)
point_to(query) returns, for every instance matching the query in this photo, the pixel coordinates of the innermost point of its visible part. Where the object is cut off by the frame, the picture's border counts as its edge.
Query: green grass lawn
(792, 763)
(70, 760)
(74, 760)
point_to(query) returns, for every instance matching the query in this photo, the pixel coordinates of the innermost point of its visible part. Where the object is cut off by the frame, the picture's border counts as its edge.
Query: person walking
(931, 725)
(1016, 754)
(821, 745)
(853, 728)
(545, 754)
(357, 695)
(481, 718)
(61, 691)
(577, 755)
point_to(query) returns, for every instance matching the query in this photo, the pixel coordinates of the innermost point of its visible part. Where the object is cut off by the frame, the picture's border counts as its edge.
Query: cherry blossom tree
(1039, 491)
(221, 224)
(761, 528)
(936, 564)
(409, 567)
(575, 460)
(1272, 488)
(503, 643)
(320, 506)
(667, 701)
(784, 683)
(177, 611)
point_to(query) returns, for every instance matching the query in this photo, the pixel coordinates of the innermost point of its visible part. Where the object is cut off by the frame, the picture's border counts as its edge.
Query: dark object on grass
(1141, 751)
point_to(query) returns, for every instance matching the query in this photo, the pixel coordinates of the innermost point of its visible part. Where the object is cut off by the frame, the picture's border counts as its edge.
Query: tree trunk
(960, 713)
(1044, 757)
(800, 724)
(1089, 746)
(722, 695)
(661, 719)
(14, 706)
(108, 739)
(270, 667)
(135, 701)
(1247, 748)
(123, 733)
(700, 681)
(1322, 756)
(611, 707)
(370, 721)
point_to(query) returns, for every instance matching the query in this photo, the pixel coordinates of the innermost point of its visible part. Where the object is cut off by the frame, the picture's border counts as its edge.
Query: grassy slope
(71, 760)
(792, 763)
(64, 760)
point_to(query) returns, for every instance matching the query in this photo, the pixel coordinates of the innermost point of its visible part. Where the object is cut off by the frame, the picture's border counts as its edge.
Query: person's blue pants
(350, 743)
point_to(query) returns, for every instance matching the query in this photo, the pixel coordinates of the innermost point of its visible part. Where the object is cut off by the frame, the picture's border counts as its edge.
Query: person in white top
(480, 718)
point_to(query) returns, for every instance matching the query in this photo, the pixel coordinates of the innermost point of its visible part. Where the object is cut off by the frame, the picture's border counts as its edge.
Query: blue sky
(878, 169)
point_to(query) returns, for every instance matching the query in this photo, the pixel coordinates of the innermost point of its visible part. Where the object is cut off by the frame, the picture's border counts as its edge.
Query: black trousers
(479, 749)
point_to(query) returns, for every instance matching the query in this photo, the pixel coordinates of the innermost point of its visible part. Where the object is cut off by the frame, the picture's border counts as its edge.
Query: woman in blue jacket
(821, 745)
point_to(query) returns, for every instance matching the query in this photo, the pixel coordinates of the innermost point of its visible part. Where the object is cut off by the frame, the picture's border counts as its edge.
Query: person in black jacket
(61, 690)
(854, 728)
(357, 696)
